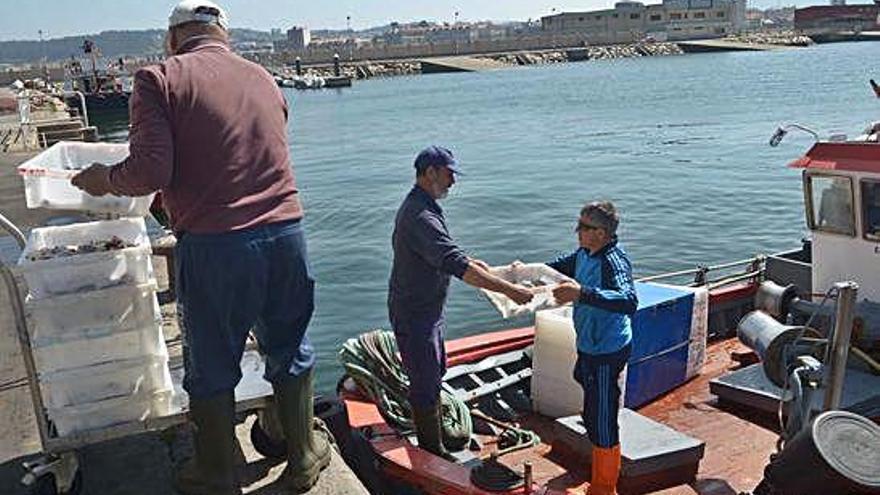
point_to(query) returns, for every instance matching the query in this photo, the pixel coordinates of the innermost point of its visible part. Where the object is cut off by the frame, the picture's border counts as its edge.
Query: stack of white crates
(94, 317)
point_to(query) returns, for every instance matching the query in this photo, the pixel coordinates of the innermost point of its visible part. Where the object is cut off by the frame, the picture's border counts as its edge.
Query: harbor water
(678, 143)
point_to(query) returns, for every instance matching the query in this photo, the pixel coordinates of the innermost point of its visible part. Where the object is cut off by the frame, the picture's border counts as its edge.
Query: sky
(23, 19)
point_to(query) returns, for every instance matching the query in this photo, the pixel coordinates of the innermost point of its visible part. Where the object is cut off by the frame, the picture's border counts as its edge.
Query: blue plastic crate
(661, 336)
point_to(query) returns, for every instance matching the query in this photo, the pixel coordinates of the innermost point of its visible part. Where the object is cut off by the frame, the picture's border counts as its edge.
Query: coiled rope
(371, 360)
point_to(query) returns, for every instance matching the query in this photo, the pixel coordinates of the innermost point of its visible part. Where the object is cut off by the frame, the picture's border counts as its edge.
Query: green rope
(371, 360)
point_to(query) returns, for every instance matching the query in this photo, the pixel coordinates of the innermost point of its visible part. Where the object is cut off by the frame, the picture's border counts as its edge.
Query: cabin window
(830, 207)
(871, 210)
(656, 17)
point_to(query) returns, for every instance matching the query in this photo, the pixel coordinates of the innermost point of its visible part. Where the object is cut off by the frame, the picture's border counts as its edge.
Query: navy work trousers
(598, 375)
(231, 283)
(420, 342)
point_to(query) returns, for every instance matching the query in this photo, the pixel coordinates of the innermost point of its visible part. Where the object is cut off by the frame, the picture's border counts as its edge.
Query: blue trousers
(598, 375)
(420, 342)
(231, 283)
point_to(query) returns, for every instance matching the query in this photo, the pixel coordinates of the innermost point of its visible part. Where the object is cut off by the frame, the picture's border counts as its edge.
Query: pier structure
(459, 64)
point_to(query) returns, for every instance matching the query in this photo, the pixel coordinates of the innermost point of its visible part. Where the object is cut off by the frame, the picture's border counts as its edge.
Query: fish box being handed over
(538, 276)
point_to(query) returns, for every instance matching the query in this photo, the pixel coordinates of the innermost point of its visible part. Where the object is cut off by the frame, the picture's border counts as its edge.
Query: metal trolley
(57, 471)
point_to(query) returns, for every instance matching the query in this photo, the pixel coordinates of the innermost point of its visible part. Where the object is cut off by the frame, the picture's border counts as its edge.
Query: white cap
(198, 11)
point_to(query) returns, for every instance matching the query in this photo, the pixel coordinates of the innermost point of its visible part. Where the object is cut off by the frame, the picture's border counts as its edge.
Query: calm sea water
(678, 143)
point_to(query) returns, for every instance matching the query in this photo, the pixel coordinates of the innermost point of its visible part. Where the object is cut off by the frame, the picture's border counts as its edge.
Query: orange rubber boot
(606, 470)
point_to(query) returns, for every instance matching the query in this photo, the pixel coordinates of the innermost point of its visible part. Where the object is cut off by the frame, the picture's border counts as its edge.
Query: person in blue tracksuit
(604, 298)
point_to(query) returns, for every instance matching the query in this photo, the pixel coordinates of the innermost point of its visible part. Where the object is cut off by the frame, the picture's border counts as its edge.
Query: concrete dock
(722, 45)
(134, 465)
(459, 64)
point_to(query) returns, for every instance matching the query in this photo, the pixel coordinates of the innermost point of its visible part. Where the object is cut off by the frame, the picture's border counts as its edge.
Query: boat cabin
(841, 182)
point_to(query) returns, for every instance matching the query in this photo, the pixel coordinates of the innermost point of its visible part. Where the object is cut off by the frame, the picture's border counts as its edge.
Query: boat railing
(750, 269)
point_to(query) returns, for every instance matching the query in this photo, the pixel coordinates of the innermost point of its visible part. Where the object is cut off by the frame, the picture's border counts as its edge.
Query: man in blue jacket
(425, 258)
(604, 298)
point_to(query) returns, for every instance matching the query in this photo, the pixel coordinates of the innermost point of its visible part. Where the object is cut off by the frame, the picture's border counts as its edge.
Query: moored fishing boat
(679, 434)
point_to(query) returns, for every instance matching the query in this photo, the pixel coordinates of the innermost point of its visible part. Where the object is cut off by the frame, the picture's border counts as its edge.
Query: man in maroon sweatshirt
(209, 130)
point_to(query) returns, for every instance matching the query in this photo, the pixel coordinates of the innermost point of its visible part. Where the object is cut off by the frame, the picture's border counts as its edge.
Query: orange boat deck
(738, 443)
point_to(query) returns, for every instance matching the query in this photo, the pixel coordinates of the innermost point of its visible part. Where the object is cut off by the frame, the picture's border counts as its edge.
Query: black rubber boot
(429, 430)
(308, 449)
(212, 470)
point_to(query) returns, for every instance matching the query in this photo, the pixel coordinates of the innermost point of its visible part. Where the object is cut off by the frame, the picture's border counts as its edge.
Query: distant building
(673, 20)
(450, 34)
(830, 18)
(298, 38)
(423, 32)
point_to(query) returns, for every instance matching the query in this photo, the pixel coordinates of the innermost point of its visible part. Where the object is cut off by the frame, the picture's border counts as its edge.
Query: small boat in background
(105, 91)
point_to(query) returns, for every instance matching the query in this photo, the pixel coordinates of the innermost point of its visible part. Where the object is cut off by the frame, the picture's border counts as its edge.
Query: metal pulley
(775, 299)
(771, 340)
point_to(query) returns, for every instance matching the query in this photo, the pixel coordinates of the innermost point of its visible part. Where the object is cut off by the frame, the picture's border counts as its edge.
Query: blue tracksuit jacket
(608, 297)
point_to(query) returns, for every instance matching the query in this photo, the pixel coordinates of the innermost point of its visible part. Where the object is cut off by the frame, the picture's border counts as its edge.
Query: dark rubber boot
(308, 449)
(430, 431)
(212, 470)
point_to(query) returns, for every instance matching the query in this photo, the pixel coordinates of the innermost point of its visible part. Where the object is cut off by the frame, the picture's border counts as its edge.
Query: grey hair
(603, 214)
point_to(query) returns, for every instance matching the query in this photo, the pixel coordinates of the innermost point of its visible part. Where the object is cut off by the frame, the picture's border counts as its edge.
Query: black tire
(45, 485)
(265, 445)
(76, 488)
(334, 414)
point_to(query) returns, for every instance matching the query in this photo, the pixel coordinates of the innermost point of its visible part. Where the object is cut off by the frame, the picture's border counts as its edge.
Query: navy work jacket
(425, 257)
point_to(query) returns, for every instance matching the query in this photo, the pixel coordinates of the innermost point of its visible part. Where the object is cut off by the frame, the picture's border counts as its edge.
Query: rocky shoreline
(391, 68)
(368, 70)
(781, 38)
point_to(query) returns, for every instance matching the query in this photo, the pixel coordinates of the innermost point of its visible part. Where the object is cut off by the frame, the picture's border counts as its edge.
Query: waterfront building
(431, 33)
(672, 20)
(830, 18)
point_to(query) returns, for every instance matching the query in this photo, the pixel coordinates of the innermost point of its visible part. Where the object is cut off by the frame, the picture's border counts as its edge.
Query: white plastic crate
(104, 381)
(47, 179)
(111, 412)
(101, 348)
(93, 314)
(89, 271)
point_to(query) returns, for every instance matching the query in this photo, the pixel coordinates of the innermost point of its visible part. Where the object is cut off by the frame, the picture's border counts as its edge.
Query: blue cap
(437, 156)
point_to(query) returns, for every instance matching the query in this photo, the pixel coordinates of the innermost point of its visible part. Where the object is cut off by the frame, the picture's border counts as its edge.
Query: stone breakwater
(784, 38)
(604, 52)
(389, 68)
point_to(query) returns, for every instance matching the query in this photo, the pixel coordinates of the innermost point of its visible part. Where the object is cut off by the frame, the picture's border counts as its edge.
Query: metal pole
(14, 231)
(843, 323)
(24, 339)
